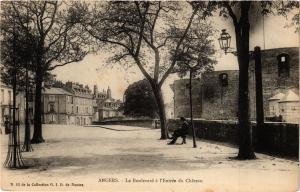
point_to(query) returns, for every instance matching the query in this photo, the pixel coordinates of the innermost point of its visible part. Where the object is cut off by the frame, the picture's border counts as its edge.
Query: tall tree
(139, 32)
(140, 100)
(239, 12)
(197, 50)
(14, 57)
(57, 41)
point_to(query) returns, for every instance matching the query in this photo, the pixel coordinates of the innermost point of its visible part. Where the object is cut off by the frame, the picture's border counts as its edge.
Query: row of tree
(153, 36)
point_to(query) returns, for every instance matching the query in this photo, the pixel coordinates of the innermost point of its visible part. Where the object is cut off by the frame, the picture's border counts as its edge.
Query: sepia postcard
(149, 96)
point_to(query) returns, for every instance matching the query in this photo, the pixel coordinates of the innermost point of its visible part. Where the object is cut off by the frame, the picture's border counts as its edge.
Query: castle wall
(272, 82)
(213, 99)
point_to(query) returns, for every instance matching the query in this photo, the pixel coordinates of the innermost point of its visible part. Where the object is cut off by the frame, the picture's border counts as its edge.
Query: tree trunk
(37, 132)
(245, 132)
(161, 109)
(27, 144)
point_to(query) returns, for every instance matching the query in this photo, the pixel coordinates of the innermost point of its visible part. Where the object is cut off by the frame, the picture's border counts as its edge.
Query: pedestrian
(182, 132)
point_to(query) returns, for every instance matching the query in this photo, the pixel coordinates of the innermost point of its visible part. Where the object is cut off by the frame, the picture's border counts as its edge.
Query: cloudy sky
(93, 69)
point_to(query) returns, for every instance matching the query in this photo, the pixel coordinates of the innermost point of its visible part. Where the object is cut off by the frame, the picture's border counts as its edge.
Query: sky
(92, 70)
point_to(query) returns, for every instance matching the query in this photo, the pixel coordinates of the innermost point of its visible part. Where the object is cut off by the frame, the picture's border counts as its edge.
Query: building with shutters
(72, 104)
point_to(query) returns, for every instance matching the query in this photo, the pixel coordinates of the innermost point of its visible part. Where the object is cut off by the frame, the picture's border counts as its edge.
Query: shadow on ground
(118, 163)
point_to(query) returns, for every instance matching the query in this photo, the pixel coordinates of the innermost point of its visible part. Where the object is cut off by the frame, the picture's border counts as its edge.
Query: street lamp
(224, 41)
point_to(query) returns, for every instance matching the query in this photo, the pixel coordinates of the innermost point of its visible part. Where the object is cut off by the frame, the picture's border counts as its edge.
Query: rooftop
(56, 91)
(278, 96)
(290, 96)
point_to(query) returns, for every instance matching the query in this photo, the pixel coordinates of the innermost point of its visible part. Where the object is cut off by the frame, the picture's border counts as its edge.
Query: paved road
(110, 156)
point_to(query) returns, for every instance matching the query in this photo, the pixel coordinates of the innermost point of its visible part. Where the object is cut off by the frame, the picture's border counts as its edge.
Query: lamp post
(191, 106)
(224, 42)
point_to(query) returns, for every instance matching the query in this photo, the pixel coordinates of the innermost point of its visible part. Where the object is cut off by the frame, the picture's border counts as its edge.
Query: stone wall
(278, 138)
(272, 82)
(211, 98)
(214, 100)
(181, 98)
(149, 123)
(220, 101)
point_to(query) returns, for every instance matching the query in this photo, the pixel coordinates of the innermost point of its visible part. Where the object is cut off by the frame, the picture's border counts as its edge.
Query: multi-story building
(83, 103)
(57, 106)
(6, 102)
(107, 107)
(215, 94)
(70, 104)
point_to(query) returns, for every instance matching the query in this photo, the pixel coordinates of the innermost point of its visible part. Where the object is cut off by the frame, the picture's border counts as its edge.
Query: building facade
(107, 107)
(287, 107)
(6, 102)
(215, 94)
(73, 104)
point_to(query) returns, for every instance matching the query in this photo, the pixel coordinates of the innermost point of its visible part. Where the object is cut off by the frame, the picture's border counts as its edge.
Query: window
(293, 108)
(283, 65)
(77, 109)
(51, 98)
(9, 97)
(223, 78)
(52, 118)
(69, 99)
(51, 108)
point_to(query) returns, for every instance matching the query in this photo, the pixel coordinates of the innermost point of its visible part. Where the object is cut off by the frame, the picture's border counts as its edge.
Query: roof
(109, 100)
(278, 96)
(290, 96)
(56, 91)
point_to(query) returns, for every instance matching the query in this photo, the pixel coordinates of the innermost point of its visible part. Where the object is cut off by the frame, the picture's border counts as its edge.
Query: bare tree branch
(164, 77)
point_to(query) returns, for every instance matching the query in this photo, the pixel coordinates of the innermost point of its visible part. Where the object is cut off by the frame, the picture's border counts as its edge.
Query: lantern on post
(224, 40)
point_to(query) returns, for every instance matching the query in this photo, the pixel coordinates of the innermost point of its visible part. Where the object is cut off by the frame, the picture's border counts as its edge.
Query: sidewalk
(110, 157)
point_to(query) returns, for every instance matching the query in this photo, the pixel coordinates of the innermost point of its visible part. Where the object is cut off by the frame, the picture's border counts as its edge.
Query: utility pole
(191, 108)
(259, 96)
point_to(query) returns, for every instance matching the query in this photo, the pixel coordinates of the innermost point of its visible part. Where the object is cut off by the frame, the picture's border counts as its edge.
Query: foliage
(139, 32)
(240, 12)
(14, 60)
(48, 31)
(197, 51)
(53, 39)
(139, 100)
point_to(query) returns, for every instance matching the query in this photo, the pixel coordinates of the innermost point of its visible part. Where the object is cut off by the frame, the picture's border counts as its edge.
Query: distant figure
(182, 132)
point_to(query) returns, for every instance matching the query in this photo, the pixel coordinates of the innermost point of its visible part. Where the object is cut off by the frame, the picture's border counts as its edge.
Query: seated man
(182, 132)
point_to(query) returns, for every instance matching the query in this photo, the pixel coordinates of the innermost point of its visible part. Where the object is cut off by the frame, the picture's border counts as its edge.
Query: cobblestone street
(134, 159)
